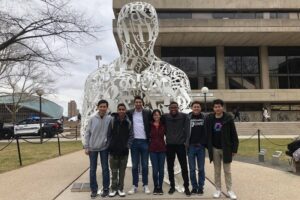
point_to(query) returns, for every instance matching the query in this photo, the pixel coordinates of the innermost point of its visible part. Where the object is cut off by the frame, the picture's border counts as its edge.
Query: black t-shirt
(217, 133)
(197, 130)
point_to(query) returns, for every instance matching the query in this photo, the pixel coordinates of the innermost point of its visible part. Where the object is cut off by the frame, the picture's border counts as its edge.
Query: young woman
(157, 150)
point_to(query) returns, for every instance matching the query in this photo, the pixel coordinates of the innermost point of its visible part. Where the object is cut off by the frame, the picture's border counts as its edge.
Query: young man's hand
(233, 154)
(86, 151)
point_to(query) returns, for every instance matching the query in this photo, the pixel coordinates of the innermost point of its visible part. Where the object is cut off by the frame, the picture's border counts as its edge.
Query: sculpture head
(137, 29)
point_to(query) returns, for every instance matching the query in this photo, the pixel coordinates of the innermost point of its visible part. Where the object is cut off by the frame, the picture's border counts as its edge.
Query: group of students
(151, 134)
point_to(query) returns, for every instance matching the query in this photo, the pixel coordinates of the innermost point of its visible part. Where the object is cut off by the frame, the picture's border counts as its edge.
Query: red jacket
(157, 141)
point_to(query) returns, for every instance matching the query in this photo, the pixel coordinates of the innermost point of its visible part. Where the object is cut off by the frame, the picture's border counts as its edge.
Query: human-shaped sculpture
(137, 71)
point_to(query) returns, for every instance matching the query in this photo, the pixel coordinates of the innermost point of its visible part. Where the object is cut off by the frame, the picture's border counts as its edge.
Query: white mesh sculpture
(137, 71)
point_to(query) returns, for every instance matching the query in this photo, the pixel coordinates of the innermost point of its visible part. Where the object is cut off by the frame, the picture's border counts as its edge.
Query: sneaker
(155, 191)
(187, 192)
(160, 191)
(172, 190)
(194, 191)
(121, 193)
(133, 190)
(112, 193)
(232, 195)
(146, 189)
(217, 194)
(200, 191)
(105, 193)
(94, 195)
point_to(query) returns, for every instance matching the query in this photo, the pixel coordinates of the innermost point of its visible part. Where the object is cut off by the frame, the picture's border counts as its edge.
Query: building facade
(246, 52)
(72, 109)
(29, 107)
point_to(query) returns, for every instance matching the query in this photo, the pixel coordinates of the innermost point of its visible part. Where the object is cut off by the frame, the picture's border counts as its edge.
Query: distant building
(29, 108)
(72, 109)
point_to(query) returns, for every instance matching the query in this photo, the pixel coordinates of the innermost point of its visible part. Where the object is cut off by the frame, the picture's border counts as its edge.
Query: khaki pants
(218, 160)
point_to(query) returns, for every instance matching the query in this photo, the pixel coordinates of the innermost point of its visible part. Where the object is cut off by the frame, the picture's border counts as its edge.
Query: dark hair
(102, 101)
(120, 105)
(218, 101)
(138, 98)
(196, 102)
(155, 111)
(173, 102)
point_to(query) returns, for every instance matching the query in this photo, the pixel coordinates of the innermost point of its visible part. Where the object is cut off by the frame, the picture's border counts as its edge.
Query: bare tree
(21, 83)
(35, 36)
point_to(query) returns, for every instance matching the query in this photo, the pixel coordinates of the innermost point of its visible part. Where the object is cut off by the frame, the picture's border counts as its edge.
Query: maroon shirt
(157, 135)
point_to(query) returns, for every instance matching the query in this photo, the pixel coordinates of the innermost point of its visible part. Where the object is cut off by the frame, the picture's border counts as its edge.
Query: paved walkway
(53, 178)
(43, 180)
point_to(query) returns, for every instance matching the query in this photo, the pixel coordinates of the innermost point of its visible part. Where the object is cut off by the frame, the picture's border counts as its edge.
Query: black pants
(179, 150)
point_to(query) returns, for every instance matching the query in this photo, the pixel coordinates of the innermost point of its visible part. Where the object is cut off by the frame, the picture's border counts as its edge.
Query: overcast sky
(71, 87)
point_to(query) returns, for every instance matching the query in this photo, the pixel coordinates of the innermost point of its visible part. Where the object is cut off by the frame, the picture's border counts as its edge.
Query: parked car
(31, 127)
(6, 131)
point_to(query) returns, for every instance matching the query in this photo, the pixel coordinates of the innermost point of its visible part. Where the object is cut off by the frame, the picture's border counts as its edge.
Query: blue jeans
(196, 153)
(158, 167)
(93, 168)
(139, 152)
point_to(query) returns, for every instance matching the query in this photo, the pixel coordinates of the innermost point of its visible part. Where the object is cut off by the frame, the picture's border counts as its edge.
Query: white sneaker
(112, 193)
(232, 195)
(121, 193)
(146, 189)
(217, 194)
(133, 190)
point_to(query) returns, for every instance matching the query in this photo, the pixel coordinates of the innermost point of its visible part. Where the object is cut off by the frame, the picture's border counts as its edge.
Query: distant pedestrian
(236, 113)
(265, 114)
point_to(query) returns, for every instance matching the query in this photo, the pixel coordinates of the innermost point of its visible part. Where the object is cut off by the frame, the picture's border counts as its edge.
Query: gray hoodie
(96, 134)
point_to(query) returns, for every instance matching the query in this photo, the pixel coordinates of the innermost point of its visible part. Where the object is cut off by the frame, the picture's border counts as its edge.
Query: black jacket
(147, 117)
(120, 136)
(230, 141)
(176, 128)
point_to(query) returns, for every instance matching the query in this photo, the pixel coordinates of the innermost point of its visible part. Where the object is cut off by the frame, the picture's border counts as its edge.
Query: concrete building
(246, 52)
(72, 109)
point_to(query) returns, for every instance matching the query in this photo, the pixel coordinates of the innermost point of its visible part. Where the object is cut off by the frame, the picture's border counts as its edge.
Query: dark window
(279, 15)
(199, 63)
(284, 67)
(189, 65)
(206, 66)
(174, 15)
(245, 16)
(242, 67)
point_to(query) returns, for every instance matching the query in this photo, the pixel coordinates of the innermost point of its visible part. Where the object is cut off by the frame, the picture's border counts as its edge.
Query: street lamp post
(40, 92)
(204, 91)
(98, 58)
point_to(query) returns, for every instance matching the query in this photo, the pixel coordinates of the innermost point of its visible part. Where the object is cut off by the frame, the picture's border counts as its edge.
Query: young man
(120, 138)
(222, 143)
(196, 142)
(141, 121)
(176, 132)
(96, 143)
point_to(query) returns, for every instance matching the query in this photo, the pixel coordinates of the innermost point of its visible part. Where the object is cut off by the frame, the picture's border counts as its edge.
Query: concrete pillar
(220, 68)
(264, 67)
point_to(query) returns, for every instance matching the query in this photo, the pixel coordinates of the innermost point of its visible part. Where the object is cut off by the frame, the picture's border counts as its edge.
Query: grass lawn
(249, 148)
(33, 153)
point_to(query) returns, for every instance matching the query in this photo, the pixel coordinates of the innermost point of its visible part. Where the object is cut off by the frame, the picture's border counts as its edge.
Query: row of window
(226, 15)
(241, 66)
